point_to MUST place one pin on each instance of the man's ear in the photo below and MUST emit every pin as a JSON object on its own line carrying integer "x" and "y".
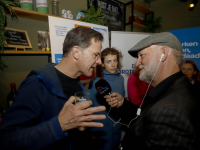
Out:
{"x": 164, "y": 52}
{"x": 102, "y": 65}
{"x": 75, "y": 52}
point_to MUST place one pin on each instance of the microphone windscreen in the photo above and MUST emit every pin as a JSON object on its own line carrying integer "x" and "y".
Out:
{"x": 103, "y": 87}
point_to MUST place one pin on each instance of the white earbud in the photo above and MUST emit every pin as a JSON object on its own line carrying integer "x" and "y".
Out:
{"x": 162, "y": 57}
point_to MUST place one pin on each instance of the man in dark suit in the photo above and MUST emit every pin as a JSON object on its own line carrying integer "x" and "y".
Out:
{"x": 167, "y": 119}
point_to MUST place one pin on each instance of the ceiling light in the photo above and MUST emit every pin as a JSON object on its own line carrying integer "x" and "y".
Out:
{"x": 193, "y": 4}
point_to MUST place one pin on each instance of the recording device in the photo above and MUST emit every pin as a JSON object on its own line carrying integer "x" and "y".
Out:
{"x": 103, "y": 87}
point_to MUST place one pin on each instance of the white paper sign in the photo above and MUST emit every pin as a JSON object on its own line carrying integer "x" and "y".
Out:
{"x": 58, "y": 29}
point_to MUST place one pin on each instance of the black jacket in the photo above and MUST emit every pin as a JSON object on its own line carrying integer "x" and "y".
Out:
{"x": 168, "y": 120}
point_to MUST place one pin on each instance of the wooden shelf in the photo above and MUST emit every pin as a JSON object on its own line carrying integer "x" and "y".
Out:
{"x": 26, "y": 52}
{"x": 140, "y": 8}
{"x": 137, "y": 25}
{"x": 32, "y": 14}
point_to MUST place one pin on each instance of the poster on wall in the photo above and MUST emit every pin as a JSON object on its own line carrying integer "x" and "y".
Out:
{"x": 59, "y": 27}
{"x": 190, "y": 39}
{"x": 123, "y": 41}
{"x": 114, "y": 13}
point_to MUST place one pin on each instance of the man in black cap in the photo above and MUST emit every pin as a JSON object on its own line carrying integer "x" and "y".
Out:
{"x": 168, "y": 117}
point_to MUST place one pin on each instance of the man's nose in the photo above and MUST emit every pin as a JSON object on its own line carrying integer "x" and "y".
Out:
{"x": 99, "y": 61}
{"x": 138, "y": 62}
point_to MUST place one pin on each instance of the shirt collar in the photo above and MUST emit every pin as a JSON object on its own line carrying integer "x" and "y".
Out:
{"x": 164, "y": 85}
{"x": 108, "y": 73}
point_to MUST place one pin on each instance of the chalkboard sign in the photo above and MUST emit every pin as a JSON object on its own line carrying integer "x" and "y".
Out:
{"x": 114, "y": 12}
{"x": 17, "y": 38}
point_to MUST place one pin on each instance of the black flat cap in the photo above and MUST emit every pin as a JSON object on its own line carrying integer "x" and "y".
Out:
{"x": 163, "y": 38}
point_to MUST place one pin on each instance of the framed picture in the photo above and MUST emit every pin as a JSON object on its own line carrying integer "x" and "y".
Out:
{"x": 114, "y": 12}
{"x": 41, "y": 40}
{"x": 17, "y": 38}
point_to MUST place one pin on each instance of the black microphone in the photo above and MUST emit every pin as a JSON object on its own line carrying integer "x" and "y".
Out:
{"x": 103, "y": 87}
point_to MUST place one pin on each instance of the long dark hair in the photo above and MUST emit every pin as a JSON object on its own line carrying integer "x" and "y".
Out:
{"x": 196, "y": 76}
{"x": 104, "y": 53}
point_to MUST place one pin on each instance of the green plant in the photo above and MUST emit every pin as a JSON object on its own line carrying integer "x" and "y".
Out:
{"x": 153, "y": 25}
{"x": 5, "y": 6}
{"x": 2, "y": 64}
{"x": 92, "y": 15}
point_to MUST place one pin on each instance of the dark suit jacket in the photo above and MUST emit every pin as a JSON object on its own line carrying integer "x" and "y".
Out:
{"x": 168, "y": 120}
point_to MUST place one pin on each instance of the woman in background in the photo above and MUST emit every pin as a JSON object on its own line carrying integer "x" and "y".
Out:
{"x": 108, "y": 137}
{"x": 189, "y": 68}
{"x": 137, "y": 88}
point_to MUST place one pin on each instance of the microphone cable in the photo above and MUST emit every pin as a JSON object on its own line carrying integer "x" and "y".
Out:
{"x": 111, "y": 118}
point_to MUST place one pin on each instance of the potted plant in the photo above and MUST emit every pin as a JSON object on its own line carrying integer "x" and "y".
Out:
{"x": 153, "y": 25}
{"x": 92, "y": 15}
{"x": 5, "y": 6}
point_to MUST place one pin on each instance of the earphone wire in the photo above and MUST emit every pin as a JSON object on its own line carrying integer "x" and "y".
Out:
{"x": 140, "y": 107}
{"x": 145, "y": 93}
{"x": 149, "y": 85}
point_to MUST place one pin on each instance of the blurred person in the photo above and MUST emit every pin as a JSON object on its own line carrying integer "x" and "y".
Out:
{"x": 168, "y": 119}
{"x": 137, "y": 88}
{"x": 190, "y": 69}
{"x": 43, "y": 114}
{"x": 2, "y": 112}
{"x": 108, "y": 137}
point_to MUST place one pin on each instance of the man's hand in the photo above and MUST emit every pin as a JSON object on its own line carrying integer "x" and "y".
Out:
{"x": 79, "y": 115}
{"x": 116, "y": 99}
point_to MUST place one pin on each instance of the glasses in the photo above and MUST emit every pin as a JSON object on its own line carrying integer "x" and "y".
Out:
{"x": 97, "y": 56}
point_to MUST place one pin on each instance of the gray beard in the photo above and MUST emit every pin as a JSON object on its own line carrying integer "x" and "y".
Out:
{"x": 148, "y": 72}
{"x": 145, "y": 77}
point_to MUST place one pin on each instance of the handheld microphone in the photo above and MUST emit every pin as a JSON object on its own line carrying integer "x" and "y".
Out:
{"x": 103, "y": 87}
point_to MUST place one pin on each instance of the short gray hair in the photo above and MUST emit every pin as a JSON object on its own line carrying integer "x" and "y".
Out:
{"x": 179, "y": 56}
